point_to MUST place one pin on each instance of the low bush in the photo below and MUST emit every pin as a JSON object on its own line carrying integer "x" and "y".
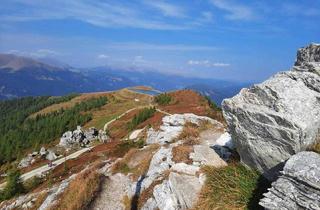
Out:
{"x": 212, "y": 104}
{"x": 163, "y": 99}
{"x": 32, "y": 183}
{"x": 231, "y": 187}
{"x": 13, "y": 187}
{"x": 142, "y": 116}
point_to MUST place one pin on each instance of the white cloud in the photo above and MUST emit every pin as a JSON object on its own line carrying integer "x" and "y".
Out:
{"x": 235, "y": 11}
{"x": 40, "y": 53}
{"x": 98, "y": 13}
{"x": 103, "y": 56}
{"x": 167, "y": 9}
{"x": 207, "y": 63}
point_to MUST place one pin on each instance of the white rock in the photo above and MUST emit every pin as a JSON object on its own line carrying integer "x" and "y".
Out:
{"x": 135, "y": 134}
{"x": 173, "y": 125}
{"x": 185, "y": 168}
{"x": 225, "y": 140}
{"x": 151, "y": 204}
{"x": 160, "y": 162}
{"x": 185, "y": 188}
{"x": 206, "y": 156}
{"x": 164, "y": 197}
{"x": 51, "y": 155}
{"x": 43, "y": 151}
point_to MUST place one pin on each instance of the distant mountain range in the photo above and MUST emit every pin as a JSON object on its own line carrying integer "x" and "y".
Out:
{"x": 22, "y": 76}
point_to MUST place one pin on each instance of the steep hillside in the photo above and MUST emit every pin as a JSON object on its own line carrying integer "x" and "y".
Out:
{"x": 128, "y": 117}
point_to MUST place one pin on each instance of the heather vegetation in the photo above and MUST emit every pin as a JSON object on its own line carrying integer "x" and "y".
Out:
{"x": 163, "y": 99}
{"x": 20, "y": 132}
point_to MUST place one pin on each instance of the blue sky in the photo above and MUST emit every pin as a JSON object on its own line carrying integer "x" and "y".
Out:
{"x": 225, "y": 39}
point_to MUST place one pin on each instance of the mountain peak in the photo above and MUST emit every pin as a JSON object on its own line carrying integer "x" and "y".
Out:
{"x": 16, "y": 63}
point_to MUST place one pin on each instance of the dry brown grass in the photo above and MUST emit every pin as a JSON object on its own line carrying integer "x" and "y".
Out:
{"x": 135, "y": 161}
{"x": 189, "y": 130}
{"x": 181, "y": 154}
{"x": 190, "y": 134}
{"x": 39, "y": 201}
{"x": 316, "y": 146}
{"x": 80, "y": 191}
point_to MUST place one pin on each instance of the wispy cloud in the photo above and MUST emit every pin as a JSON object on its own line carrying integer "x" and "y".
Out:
{"x": 235, "y": 10}
{"x": 207, "y": 63}
{"x": 103, "y": 56}
{"x": 98, "y": 13}
{"x": 40, "y": 53}
{"x": 167, "y": 9}
{"x": 158, "y": 47}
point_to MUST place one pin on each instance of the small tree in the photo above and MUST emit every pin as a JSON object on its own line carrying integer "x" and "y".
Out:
{"x": 14, "y": 185}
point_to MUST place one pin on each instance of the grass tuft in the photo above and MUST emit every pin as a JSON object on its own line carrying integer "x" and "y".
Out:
{"x": 80, "y": 191}
{"x": 190, "y": 134}
{"x": 231, "y": 187}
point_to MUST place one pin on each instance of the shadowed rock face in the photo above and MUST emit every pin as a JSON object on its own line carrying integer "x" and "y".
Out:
{"x": 298, "y": 187}
{"x": 272, "y": 121}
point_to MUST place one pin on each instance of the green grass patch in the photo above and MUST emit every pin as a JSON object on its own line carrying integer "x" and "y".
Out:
{"x": 232, "y": 187}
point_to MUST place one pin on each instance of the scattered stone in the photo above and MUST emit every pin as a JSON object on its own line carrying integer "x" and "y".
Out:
{"x": 103, "y": 137}
{"x": 278, "y": 118}
{"x": 299, "y": 185}
{"x": 135, "y": 134}
{"x": 43, "y": 151}
{"x": 51, "y": 155}
{"x": 25, "y": 162}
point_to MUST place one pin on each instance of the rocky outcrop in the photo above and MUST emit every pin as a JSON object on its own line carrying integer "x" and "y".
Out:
{"x": 274, "y": 120}
{"x": 82, "y": 138}
{"x": 308, "y": 59}
{"x": 33, "y": 157}
{"x": 172, "y": 126}
{"x": 299, "y": 185}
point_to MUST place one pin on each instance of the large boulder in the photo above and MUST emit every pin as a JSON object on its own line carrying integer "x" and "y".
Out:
{"x": 274, "y": 120}
{"x": 298, "y": 187}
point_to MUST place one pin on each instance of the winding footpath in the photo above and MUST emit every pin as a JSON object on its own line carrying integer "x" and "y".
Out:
{"x": 45, "y": 168}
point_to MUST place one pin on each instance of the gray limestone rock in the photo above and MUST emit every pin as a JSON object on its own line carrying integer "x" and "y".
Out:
{"x": 274, "y": 120}
{"x": 299, "y": 185}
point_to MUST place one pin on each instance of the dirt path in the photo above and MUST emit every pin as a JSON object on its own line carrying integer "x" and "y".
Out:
{"x": 45, "y": 168}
